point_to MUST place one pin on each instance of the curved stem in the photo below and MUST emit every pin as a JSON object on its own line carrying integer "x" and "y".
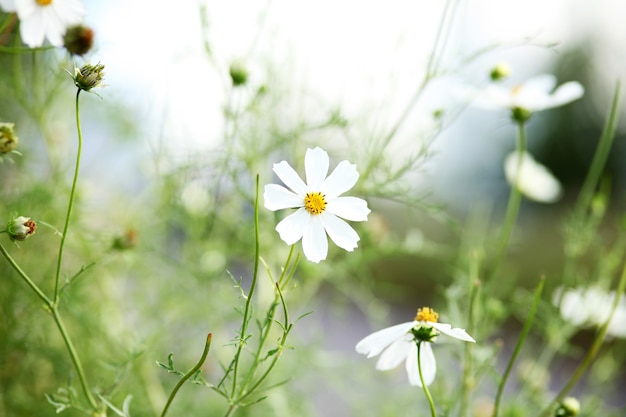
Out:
{"x": 513, "y": 205}
{"x": 74, "y": 356}
{"x": 518, "y": 346}
{"x": 433, "y": 413}
{"x": 205, "y": 352}
{"x": 71, "y": 199}
{"x": 246, "y": 313}
{"x": 26, "y": 278}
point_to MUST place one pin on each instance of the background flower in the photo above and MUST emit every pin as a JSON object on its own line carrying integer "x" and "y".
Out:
{"x": 535, "y": 181}
{"x": 47, "y": 19}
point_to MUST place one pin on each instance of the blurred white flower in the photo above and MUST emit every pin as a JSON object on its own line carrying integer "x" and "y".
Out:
{"x": 535, "y": 181}
{"x": 586, "y": 307}
{"x": 41, "y": 19}
{"x": 399, "y": 343}
{"x": 319, "y": 205}
{"x": 534, "y": 95}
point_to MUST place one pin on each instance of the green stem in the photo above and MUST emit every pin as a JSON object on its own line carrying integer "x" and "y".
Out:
{"x": 192, "y": 371}
{"x": 74, "y": 356}
{"x": 26, "y": 278}
{"x": 246, "y": 313}
{"x": 593, "y": 350}
{"x": 426, "y": 391}
{"x": 518, "y": 346}
{"x": 513, "y": 205}
{"x": 71, "y": 199}
{"x": 468, "y": 379}
{"x": 600, "y": 156}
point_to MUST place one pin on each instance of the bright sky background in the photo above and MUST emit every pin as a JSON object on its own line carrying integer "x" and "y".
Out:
{"x": 363, "y": 56}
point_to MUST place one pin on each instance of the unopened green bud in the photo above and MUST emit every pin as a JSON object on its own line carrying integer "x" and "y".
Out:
{"x": 8, "y": 139}
{"x": 78, "y": 39}
{"x": 89, "y": 76}
{"x": 238, "y": 73}
{"x": 520, "y": 114}
{"x": 500, "y": 72}
{"x": 570, "y": 407}
{"x": 20, "y": 228}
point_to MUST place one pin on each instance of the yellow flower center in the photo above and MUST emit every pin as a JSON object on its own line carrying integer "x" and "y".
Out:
{"x": 44, "y": 2}
{"x": 426, "y": 314}
{"x": 314, "y": 203}
{"x": 515, "y": 90}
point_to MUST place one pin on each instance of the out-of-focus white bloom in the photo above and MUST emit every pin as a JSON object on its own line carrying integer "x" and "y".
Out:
{"x": 586, "y": 307}
{"x": 399, "y": 343}
{"x": 41, "y": 19}
{"x": 319, "y": 204}
{"x": 535, "y": 181}
{"x": 536, "y": 94}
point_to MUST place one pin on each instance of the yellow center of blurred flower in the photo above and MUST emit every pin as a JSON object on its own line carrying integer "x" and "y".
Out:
{"x": 515, "y": 90}
{"x": 426, "y": 314}
{"x": 314, "y": 203}
{"x": 44, "y": 2}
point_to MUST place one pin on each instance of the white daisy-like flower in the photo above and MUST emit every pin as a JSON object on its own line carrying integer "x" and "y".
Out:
{"x": 535, "y": 180}
{"x": 399, "y": 343}
{"x": 536, "y": 94}
{"x": 41, "y": 19}
{"x": 586, "y": 307}
{"x": 320, "y": 206}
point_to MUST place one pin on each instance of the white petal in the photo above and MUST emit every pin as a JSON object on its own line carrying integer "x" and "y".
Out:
{"x": 427, "y": 360}
{"x": 316, "y": 167}
{"x": 32, "y": 30}
{"x": 456, "y": 332}
{"x": 535, "y": 181}
{"x": 376, "y": 342}
{"x": 566, "y": 93}
{"x": 314, "y": 240}
{"x": 343, "y": 177}
{"x": 350, "y": 208}
{"x": 290, "y": 178}
{"x": 292, "y": 228}
{"x": 277, "y": 197}
{"x": 543, "y": 83}
{"x": 395, "y": 353}
{"x": 341, "y": 233}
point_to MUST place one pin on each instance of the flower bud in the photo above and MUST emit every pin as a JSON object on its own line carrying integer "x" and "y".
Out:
{"x": 238, "y": 73}
{"x": 568, "y": 408}
{"x": 8, "y": 139}
{"x": 19, "y": 228}
{"x": 520, "y": 114}
{"x": 88, "y": 76}
{"x": 78, "y": 39}
{"x": 126, "y": 241}
{"x": 500, "y": 72}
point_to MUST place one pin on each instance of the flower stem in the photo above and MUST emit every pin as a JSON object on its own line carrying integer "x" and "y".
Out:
{"x": 518, "y": 346}
{"x": 433, "y": 413}
{"x": 246, "y": 313}
{"x": 600, "y": 156}
{"x": 71, "y": 200}
{"x": 26, "y": 278}
{"x": 192, "y": 371}
{"x": 513, "y": 205}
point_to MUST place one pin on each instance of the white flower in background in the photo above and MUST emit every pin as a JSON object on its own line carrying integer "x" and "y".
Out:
{"x": 535, "y": 181}
{"x": 41, "y": 19}
{"x": 586, "y": 307}
{"x": 399, "y": 343}
{"x": 319, "y": 204}
{"x": 536, "y": 94}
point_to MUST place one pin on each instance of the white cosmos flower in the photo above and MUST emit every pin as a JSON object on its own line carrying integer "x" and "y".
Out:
{"x": 319, "y": 204}
{"x": 586, "y": 307}
{"x": 41, "y": 19}
{"x": 399, "y": 343}
{"x": 535, "y": 181}
{"x": 536, "y": 94}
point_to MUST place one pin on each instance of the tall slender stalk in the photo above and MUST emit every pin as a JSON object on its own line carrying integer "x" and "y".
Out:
{"x": 513, "y": 205}
{"x": 429, "y": 397}
{"x": 518, "y": 346}
{"x": 71, "y": 200}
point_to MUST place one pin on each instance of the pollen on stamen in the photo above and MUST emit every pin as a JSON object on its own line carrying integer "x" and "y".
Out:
{"x": 315, "y": 203}
{"x": 426, "y": 314}
{"x": 44, "y": 2}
